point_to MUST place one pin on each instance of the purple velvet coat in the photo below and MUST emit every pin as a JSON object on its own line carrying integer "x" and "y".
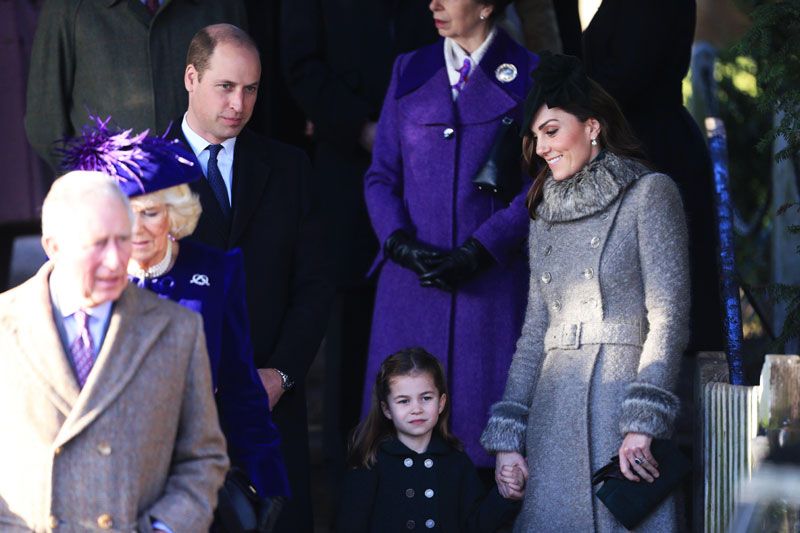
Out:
{"x": 420, "y": 181}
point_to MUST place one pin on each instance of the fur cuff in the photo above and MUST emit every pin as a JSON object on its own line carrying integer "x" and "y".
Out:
{"x": 505, "y": 431}
{"x": 648, "y": 409}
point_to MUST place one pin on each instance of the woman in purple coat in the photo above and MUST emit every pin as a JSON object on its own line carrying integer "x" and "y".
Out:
{"x": 453, "y": 277}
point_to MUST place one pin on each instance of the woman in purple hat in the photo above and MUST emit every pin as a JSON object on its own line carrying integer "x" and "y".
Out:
{"x": 446, "y": 198}
{"x": 154, "y": 173}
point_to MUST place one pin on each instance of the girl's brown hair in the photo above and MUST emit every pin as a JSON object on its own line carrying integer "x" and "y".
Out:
{"x": 376, "y": 428}
{"x": 615, "y": 136}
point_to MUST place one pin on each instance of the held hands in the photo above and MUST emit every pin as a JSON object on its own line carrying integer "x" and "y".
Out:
{"x": 511, "y": 473}
{"x": 635, "y": 458}
{"x": 460, "y": 265}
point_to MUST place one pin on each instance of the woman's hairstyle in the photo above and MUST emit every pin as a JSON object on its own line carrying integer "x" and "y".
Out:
{"x": 183, "y": 208}
{"x": 498, "y": 5}
{"x": 561, "y": 82}
{"x": 376, "y": 428}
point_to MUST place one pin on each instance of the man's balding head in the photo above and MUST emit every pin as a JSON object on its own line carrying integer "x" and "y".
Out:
{"x": 207, "y": 39}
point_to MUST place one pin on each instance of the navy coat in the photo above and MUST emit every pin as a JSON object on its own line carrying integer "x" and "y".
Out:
{"x": 420, "y": 182}
{"x": 438, "y": 490}
{"x": 211, "y": 282}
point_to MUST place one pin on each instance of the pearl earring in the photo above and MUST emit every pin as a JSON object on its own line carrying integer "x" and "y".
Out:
{"x": 594, "y": 142}
{"x": 483, "y": 17}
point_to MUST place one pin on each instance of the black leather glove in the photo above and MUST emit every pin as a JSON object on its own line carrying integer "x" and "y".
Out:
{"x": 412, "y": 254}
{"x": 460, "y": 265}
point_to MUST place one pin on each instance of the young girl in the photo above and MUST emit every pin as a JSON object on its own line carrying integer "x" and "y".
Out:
{"x": 408, "y": 472}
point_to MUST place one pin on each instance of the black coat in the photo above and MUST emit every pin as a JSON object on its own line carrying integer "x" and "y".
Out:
{"x": 639, "y": 51}
{"x": 438, "y": 490}
{"x": 337, "y": 57}
{"x": 278, "y": 226}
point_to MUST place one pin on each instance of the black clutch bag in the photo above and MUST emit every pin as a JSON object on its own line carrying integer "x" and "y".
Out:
{"x": 631, "y": 502}
{"x": 241, "y": 510}
{"x": 502, "y": 173}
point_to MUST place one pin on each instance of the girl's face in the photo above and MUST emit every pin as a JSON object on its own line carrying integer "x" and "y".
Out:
{"x": 414, "y": 405}
{"x": 563, "y": 141}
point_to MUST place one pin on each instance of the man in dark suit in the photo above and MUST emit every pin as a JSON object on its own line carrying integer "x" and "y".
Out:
{"x": 259, "y": 196}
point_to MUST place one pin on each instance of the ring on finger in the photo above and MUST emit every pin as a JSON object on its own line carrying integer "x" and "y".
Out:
{"x": 639, "y": 460}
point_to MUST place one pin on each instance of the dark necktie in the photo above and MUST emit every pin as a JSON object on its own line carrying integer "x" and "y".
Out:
{"x": 217, "y": 183}
{"x": 82, "y": 348}
{"x": 152, "y": 6}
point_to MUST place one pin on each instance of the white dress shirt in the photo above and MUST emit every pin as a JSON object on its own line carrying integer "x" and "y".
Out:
{"x": 454, "y": 57}
{"x": 224, "y": 159}
{"x": 97, "y": 316}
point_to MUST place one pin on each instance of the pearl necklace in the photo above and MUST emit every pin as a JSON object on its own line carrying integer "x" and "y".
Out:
{"x": 154, "y": 271}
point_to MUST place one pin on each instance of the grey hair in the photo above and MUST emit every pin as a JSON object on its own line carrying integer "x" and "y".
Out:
{"x": 69, "y": 192}
{"x": 183, "y": 208}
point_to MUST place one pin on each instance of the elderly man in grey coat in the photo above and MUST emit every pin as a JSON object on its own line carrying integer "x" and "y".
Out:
{"x": 105, "y": 389}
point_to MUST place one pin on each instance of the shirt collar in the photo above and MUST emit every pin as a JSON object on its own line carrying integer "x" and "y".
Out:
{"x": 67, "y": 305}
{"x": 198, "y": 144}
{"x": 454, "y": 55}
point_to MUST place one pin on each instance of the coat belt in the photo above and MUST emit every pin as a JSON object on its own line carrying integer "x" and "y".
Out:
{"x": 571, "y": 336}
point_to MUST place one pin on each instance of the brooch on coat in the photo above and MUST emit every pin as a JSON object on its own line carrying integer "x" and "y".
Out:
{"x": 200, "y": 279}
{"x": 506, "y": 73}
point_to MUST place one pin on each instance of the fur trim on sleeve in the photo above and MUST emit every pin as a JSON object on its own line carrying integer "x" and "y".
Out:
{"x": 505, "y": 431}
{"x": 648, "y": 409}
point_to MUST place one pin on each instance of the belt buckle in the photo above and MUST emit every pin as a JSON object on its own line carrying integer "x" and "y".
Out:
{"x": 571, "y": 336}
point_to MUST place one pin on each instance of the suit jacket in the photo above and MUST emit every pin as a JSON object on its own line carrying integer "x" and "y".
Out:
{"x": 139, "y": 442}
{"x": 111, "y": 57}
{"x": 338, "y": 58}
{"x": 280, "y": 230}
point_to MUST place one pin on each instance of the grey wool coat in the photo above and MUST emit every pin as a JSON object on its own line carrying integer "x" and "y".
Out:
{"x": 139, "y": 442}
{"x": 599, "y": 352}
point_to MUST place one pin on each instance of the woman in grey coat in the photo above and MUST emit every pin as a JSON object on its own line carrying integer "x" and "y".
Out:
{"x": 606, "y": 321}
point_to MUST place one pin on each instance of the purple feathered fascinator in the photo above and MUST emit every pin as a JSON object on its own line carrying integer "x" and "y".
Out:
{"x": 559, "y": 80}
{"x": 141, "y": 163}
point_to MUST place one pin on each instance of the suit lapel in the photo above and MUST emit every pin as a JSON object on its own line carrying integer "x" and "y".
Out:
{"x": 39, "y": 340}
{"x": 250, "y": 176}
{"x": 134, "y": 328}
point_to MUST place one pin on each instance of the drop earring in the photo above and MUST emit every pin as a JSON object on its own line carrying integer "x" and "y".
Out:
{"x": 594, "y": 142}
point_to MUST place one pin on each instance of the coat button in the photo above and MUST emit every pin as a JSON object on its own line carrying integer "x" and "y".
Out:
{"x": 409, "y": 462}
{"x": 588, "y": 273}
{"x": 428, "y": 463}
{"x": 595, "y": 242}
{"x": 53, "y": 521}
{"x": 410, "y": 524}
{"x": 104, "y": 521}
{"x": 429, "y": 523}
{"x": 548, "y": 250}
{"x": 409, "y": 493}
{"x": 448, "y": 133}
{"x": 604, "y": 216}
{"x": 429, "y": 493}
{"x": 104, "y": 448}
{"x": 58, "y": 450}
{"x": 546, "y": 277}
{"x": 557, "y": 305}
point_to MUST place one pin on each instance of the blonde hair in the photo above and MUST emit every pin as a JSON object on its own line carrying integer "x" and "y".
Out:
{"x": 183, "y": 208}
{"x": 72, "y": 190}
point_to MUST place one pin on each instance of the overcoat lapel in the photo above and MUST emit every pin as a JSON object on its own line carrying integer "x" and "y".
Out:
{"x": 43, "y": 351}
{"x": 423, "y": 90}
{"x": 135, "y": 325}
{"x": 250, "y": 176}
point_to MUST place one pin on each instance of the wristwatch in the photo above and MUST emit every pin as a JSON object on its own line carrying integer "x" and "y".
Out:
{"x": 286, "y": 382}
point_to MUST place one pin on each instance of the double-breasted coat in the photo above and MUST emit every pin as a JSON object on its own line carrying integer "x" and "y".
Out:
{"x": 427, "y": 150}
{"x": 437, "y": 490}
{"x": 606, "y": 323}
{"x": 140, "y": 442}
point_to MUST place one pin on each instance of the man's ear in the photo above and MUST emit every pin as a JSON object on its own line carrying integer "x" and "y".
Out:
{"x": 386, "y": 412}
{"x": 190, "y": 77}
{"x": 50, "y": 246}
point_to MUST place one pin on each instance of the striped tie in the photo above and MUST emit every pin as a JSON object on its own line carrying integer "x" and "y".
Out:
{"x": 82, "y": 348}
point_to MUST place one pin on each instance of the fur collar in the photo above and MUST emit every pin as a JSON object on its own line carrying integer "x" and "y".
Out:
{"x": 590, "y": 190}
